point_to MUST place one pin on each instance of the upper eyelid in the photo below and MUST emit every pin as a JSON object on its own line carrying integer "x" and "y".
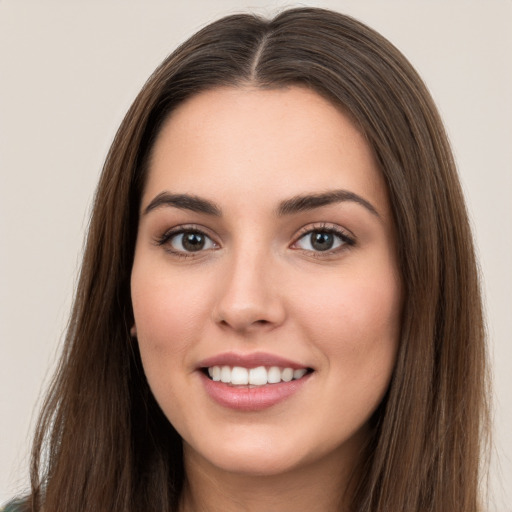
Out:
{"x": 324, "y": 226}
{"x": 183, "y": 228}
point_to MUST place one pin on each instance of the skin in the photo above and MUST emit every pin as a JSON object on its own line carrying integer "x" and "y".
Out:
{"x": 260, "y": 286}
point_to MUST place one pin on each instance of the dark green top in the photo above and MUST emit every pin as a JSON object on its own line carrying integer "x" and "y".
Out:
{"x": 14, "y": 506}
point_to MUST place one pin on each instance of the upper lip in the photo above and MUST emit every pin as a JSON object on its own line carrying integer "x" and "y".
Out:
{"x": 252, "y": 360}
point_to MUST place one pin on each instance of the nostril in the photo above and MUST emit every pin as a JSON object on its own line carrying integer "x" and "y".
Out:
{"x": 243, "y": 322}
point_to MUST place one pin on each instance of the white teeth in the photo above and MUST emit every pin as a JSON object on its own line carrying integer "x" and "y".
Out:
{"x": 274, "y": 375}
{"x": 287, "y": 374}
{"x": 239, "y": 376}
{"x": 258, "y": 376}
{"x": 298, "y": 374}
{"x": 225, "y": 374}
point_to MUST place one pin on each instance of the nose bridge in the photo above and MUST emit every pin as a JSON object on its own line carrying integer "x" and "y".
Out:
{"x": 248, "y": 294}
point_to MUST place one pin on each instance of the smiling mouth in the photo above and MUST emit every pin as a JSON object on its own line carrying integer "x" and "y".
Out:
{"x": 259, "y": 376}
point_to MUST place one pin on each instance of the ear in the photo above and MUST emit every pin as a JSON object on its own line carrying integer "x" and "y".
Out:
{"x": 133, "y": 331}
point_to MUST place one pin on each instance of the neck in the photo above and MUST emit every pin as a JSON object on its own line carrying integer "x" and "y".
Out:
{"x": 320, "y": 486}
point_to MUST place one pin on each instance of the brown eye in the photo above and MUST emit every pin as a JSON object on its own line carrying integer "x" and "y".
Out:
{"x": 190, "y": 241}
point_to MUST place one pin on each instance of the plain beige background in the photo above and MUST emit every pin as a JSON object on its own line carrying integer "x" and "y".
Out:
{"x": 69, "y": 69}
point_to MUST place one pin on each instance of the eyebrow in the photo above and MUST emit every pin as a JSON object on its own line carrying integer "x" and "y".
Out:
{"x": 184, "y": 202}
{"x": 307, "y": 202}
{"x": 296, "y": 204}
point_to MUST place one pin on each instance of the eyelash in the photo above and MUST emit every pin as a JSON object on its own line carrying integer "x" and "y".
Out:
{"x": 166, "y": 238}
{"x": 346, "y": 240}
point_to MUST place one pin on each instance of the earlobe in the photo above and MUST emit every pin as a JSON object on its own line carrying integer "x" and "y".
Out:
{"x": 133, "y": 331}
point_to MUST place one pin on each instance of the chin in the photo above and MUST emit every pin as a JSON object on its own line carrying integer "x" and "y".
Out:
{"x": 261, "y": 457}
{"x": 259, "y": 465}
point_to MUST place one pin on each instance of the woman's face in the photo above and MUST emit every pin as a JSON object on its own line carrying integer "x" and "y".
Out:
{"x": 265, "y": 252}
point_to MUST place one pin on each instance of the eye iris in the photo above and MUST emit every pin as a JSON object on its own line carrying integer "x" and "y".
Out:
{"x": 322, "y": 241}
{"x": 193, "y": 241}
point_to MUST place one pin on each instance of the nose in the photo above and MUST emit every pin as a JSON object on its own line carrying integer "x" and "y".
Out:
{"x": 250, "y": 298}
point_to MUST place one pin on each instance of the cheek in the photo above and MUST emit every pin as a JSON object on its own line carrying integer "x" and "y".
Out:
{"x": 168, "y": 315}
{"x": 357, "y": 320}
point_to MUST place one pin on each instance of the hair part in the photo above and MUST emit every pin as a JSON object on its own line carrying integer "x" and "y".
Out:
{"x": 102, "y": 442}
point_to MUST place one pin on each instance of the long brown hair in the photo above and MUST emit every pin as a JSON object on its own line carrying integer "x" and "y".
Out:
{"x": 102, "y": 443}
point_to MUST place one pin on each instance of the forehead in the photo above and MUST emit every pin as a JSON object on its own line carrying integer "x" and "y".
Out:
{"x": 248, "y": 142}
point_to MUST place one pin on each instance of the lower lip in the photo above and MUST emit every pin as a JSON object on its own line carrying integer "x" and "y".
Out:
{"x": 242, "y": 398}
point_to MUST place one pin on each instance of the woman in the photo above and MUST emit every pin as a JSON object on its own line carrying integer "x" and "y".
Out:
{"x": 278, "y": 305}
